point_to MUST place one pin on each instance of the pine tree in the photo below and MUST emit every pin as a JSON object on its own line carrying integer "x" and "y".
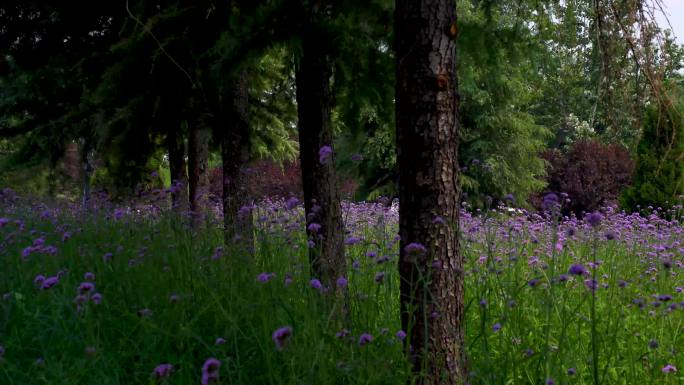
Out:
{"x": 431, "y": 264}
{"x": 659, "y": 172}
{"x": 316, "y": 149}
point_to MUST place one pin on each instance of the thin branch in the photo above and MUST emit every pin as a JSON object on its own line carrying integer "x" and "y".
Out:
{"x": 161, "y": 47}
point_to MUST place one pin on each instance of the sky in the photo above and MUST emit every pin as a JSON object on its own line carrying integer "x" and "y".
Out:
{"x": 675, "y": 13}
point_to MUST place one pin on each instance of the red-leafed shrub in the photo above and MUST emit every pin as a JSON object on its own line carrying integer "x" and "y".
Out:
{"x": 265, "y": 179}
{"x": 590, "y": 172}
{"x": 269, "y": 179}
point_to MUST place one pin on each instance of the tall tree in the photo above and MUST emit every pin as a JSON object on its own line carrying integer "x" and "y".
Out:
{"x": 430, "y": 265}
{"x": 314, "y": 104}
{"x": 198, "y": 162}
{"x": 235, "y": 150}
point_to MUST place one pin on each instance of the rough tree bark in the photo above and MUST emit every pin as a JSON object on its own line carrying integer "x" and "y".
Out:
{"x": 235, "y": 148}
{"x": 198, "y": 164}
{"x": 321, "y": 195}
{"x": 427, "y": 127}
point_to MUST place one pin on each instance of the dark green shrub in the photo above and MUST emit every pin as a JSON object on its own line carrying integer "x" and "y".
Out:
{"x": 659, "y": 172}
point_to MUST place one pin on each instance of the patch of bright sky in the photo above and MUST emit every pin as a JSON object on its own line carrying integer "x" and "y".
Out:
{"x": 675, "y": 14}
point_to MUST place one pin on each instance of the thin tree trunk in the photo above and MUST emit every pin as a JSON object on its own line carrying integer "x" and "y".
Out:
{"x": 198, "y": 158}
{"x": 321, "y": 195}
{"x": 235, "y": 148}
{"x": 427, "y": 128}
{"x": 86, "y": 169}
{"x": 179, "y": 174}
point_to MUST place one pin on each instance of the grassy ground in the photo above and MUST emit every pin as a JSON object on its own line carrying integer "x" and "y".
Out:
{"x": 167, "y": 294}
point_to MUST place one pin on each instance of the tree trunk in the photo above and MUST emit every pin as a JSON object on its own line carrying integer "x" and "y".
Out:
{"x": 179, "y": 174}
{"x": 321, "y": 195}
{"x": 86, "y": 169}
{"x": 432, "y": 306}
{"x": 237, "y": 216}
{"x": 198, "y": 159}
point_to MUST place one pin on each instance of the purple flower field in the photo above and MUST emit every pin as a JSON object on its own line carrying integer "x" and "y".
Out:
{"x": 140, "y": 296}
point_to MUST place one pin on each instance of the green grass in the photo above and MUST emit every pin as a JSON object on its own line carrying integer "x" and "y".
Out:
{"x": 546, "y": 328}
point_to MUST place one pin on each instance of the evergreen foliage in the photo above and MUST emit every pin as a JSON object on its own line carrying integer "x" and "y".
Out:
{"x": 659, "y": 175}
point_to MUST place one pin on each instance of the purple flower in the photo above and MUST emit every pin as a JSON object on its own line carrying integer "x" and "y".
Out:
{"x": 49, "y": 282}
{"x": 27, "y": 252}
{"x": 382, "y": 259}
{"x": 324, "y": 154}
{"x": 89, "y": 276}
{"x": 438, "y": 220}
{"x": 577, "y": 269}
{"x": 534, "y": 282}
{"x": 118, "y": 213}
{"x": 365, "y": 339}
{"x": 550, "y": 202}
{"x": 415, "y": 249}
{"x": 591, "y": 284}
{"x": 38, "y": 281}
{"x": 550, "y": 381}
{"x": 281, "y": 335}
{"x": 401, "y": 335}
{"x": 316, "y": 284}
{"x": 96, "y": 298}
{"x": 653, "y": 344}
{"x": 664, "y": 298}
{"x": 245, "y": 210}
{"x": 669, "y": 369}
{"x": 144, "y": 313}
{"x": 2, "y": 351}
{"x": 594, "y": 219}
{"x": 174, "y": 298}
{"x": 352, "y": 241}
{"x": 314, "y": 227}
{"x": 291, "y": 203}
{"x": 380, "y": 277}
{"x": 342, "y": 333}
{"x": 496, "y": 327}
{"x": 219, "y": 341}
{"x": 85, "y": 287}
{"x": 572, "y": 371}
{"x": 107, "y": 257}
{"x": 342, "y": 282}
{"x": 265, "y": 277}
{"x": 356, "y": 265}
{"x": 210, "y": 371}
{"x": 80, "y": 300}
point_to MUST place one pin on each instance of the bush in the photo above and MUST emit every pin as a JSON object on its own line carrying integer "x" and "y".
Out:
{"x": 659, "y": 174}
{"x": 590, "y": 172}
{"x": 267, "y": 178}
